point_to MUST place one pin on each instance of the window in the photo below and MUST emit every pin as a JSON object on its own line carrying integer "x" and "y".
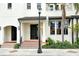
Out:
{"x": 9, "y": 5}
{"x": 65, "y": 30}
{"x": 56, "y": 7}
{"x": 49, "y": 6}
{"x": 52, "y": 28}
{"x": 59, "y": 27}
{"x": 66, "y": 27}
{"x": 28, "y": 5}
{"x": 68, "y": 6}
{"x": 38, "y": 5}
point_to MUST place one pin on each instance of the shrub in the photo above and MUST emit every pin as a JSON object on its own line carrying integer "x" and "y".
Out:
{"x": 46, "y": 46}
{"x": 61, "y": 45}
{"x": 50, "y": 41}
{"x": 58, "y": 44}
{"x": 66, "y": 44}
{"x": 77, "y": 41}
{"x": 16, "y": 46}
{"x": 75, "y": 45}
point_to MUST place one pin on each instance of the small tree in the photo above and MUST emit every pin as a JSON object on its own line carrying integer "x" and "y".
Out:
{"x": 75, "y": 28}
{"x": 76, "y": 6}
{"x": 63, "y": 20}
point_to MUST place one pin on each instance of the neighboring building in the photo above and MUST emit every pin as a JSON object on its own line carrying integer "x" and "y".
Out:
{"x": 27, "y": 13}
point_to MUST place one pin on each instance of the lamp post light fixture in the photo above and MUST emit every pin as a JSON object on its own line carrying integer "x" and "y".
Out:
{"x": 39, "y": 36}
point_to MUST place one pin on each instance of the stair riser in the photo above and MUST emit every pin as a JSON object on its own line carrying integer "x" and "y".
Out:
{"x": 8, "y": 45}
{"x": 29, "y": 44}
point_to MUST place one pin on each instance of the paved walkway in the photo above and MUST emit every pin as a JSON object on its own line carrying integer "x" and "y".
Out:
{"x": 33, "y": 52}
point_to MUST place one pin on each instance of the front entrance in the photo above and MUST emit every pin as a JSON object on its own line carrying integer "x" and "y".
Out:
{"x": 13, "y": 33}
{"x": 33, "y": 31}
{"x": 10, "y": 34}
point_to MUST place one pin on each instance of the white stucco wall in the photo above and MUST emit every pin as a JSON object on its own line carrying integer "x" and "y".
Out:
{"x": 26, "y": 29}
{"x": 7, "y": 34}
{"x": 10, "y": 18}
{"x": 56, "y": 36}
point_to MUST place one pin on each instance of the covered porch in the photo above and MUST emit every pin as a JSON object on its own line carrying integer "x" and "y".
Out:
{"x": 29, "y": 30}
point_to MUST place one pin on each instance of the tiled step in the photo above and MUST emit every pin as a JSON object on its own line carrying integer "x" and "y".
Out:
{"x": 8, "y": 45}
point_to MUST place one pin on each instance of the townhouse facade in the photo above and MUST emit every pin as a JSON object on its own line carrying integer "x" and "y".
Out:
{"x": 27, "y": 14}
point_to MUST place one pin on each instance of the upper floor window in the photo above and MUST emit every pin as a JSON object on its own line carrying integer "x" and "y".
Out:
{"x": 28, "y": 5}
{"x": 52, "y": 6}
{"x": 38, "y": 5}
{"x": 49, "y": 6}
{"x": 9, "y": 5}
{"x": 56, "y": 6}
{"x": 68, "y": 6}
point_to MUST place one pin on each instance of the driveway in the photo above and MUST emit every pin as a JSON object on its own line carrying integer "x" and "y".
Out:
{"x": 33, "y": 52}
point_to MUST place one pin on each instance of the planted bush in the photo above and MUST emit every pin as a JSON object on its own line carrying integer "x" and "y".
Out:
{"x": 61, "y": 45}
{"x": 16, "y": 46}
{"x": 58, "y": 44}
{"x": 66, "y": 44}
{"x": 46, "y": 46}
{"x": 50, "y": 41}
{"x": 77, "y": 41}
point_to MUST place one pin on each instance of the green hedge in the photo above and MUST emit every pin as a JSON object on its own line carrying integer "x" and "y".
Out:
{"x": 60, "y": 45}
{"x": 16, "y": 46}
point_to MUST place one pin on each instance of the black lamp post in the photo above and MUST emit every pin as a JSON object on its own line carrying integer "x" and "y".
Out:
{"x": 39, "y": 36}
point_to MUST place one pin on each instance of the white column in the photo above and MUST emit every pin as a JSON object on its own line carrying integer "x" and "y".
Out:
{"x": 47, "y": 27}
{"x": 44, "y": 36}
{"x": 18, "y": 35}
{"x": 2, "y": 36}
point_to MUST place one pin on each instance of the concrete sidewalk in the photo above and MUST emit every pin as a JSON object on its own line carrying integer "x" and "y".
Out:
{"x": 33, "y": 52}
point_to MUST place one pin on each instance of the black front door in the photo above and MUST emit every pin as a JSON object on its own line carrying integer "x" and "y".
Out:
{"x": 13, "y": 33}
{"x": 33, "y": 31}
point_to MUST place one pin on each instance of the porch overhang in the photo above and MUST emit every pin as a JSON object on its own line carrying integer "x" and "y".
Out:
{"x": 75, "y": 17}
{"x": 67, "y": 17}
{"x": 32, "y": 18}
{"x": 58, "y": 17}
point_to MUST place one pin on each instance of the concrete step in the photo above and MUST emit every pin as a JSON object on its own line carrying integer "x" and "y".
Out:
{"x": 30, "y": 44}
{"x": 8, "y": 45}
